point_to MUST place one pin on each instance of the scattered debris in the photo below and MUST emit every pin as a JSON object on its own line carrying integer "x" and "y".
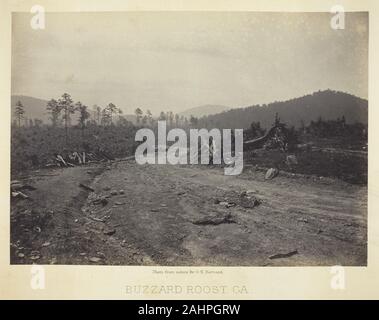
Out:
{"x": 100, "y": 254}
{"x": 94, "y": 259}
{"x": 305, "y": 220}
{"x": 304, "y": 146}
{"x": 109, "y": 231}
{"x": 35, "y": 255}
{"x": 60, "y": 161}
{"x": 271, "y": 173}
{"x": 46, "y": 244}
{"x": 96, "y": 219}
{"x": 215, "y": 220}
{"x": 86, "y": 187}
{"x": 127, "y": 158}
{"x": 245, "y": 199}
{"x": 100, "y": 200}
{"x": 230, "y": 205}
{"x": 17, "y": 185}
{"x": 291, "y": 160}
{"x": 249, "y": 202}
{"x": 283, "y": 255}
{"x": 16, "y": 194}
{"x": 78, "y": 158}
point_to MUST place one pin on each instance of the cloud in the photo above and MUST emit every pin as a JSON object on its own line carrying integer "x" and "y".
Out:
{"x": 184, "y": 59}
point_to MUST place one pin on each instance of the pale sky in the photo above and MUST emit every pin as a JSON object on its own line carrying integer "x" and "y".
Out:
{"x": 179, "y": 60}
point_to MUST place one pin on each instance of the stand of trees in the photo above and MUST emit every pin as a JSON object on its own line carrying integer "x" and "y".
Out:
{"x": 61, "y": 111}
{"x": 19, "y": 112}
{"x": 334, "y": 128}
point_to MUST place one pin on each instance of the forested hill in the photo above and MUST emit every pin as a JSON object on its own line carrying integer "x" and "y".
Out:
{"x": 204, "y": 110}
{"x": 34, "y": 108}
{"x": 326, "y": 104}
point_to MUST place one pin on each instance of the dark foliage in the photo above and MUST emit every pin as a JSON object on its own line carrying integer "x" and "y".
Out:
{"x": 295, "y": 112}
{"x": 34, "y": 147}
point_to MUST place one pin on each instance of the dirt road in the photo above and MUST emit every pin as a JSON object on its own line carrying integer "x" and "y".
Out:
{"x": 188, "y": 215}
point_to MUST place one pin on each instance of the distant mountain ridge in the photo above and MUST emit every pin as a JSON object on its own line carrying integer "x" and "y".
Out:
{"x": 327, "y": 104}
{"x": 34, "y": 108}
{"x": 204, "y": 110}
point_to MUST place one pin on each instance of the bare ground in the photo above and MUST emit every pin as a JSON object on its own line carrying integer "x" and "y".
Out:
{"x": 187, "y": 215}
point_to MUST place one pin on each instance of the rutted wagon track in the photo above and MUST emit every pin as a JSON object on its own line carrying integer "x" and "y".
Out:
{"x": 187, "y": 215}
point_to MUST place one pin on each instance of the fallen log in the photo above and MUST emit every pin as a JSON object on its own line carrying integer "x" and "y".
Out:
{"x": 283, "y": 255}
{"x": 86, "y": 187}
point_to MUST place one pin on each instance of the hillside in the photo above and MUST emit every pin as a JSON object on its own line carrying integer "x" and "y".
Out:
{"x": 34, "y": 107}
{"x": 204, "y": 110}
{"x": 326, "y": 104}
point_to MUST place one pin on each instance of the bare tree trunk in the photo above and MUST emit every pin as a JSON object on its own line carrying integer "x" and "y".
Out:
{"x": 65, "y": 125}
